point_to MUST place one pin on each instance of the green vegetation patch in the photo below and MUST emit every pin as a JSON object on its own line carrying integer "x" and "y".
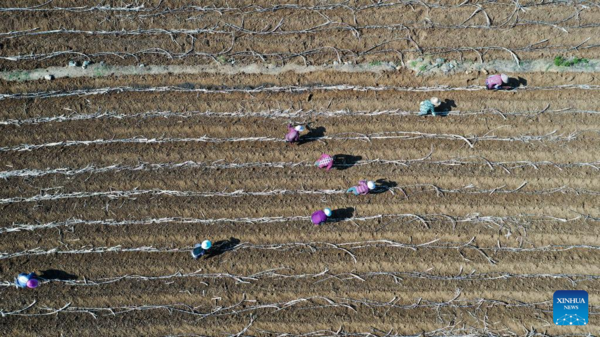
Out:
{"x": 560, "y": 61}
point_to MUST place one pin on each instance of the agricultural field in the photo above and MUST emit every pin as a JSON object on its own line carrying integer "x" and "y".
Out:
{"x": 168, "y": 129}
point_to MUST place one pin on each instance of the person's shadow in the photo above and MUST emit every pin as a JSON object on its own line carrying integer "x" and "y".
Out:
{"x": 221, "y": 247}
{"x": 341, "y": 214}
{"x": 383, "y": 185}
{"x": 445, "y": 107}
{"x": 345, "y": 161}
{"x": 516, "y": 82}
{"x": 312, "y": 135}
{"x": 54, "y": 274}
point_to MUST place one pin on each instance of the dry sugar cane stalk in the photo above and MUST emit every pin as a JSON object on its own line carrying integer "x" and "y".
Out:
{"x": 502, "y": 222}
{"x": 312, "y": 302}
{"x": 271, "y": 114}
{"x": 329, "y": 25}
{"x": 269, "y": 89}
{"x": 256, "y": 90}
{"x": 419, "y": 188}
{"x": 348, "y": 136}
{"x": 284, "y": 57}
{"x": 143, "y": 166}
{"x": 324, "y": 276}
{"x": 348, "y": 248}
{"x": 142, "y": 11}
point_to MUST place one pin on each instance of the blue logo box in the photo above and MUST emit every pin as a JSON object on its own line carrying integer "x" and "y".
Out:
{"x": 570, "y": 307}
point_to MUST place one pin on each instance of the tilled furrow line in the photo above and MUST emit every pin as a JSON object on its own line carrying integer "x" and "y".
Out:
{"x": 305, "y": 19}
{"x": 370, "y": 261}
{"x": 219, "y": 130}
{"x": 20, "y": 185}
{"x": 154, "y": 204}
{"x": 214, "y": 97}
{"x": 254, "y": 154}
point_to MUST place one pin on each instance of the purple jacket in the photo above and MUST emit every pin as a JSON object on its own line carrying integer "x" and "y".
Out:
{"x": 292, "y": 135}
{"x": 494, "y": 81}
{"x": 318, "y": 217}
{"x": 362, "y": 187}
{"x": 325, "y": 161}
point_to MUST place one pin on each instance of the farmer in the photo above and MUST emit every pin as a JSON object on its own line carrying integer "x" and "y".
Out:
{"x": 362, "y": 188}
{"x": 293, "y": 134}
{"x": 201, "y": 249}
{"x": 428, "y": 106}
{"x": 495, "y": 82}
{"x": 25, "y": 280}
{"x": 320, "y": 217}
{"x": 325, "y": 161}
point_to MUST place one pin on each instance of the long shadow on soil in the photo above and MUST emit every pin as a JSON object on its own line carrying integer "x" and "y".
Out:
{"x": 345, "y": 161}
{"x": 383, "y": 185}
{"x": 222, "y": 246}
{"x": 312, "y": 135}
{"x": 445, "y": 107}
{"x": 517, "y": 82}
{"x": 341, "y": 214}
{"x": 55, "y": 274}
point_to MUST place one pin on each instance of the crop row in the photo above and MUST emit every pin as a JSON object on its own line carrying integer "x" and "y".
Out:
{"x": 339, "y": 54}
{"x": 275, "y": 114}
{"x": 271, "y": 89}
{"x": 349, "y": 248}
{"x": 506, "y": 166}
{"x": 501, "y": 223}
{"x": 325, "y": 276}
{"x": 405, "y": 191}
{"x": 163, "y": 10}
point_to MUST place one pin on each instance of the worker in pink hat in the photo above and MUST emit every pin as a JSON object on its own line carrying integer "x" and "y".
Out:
{"x": 25, "y": 280}
{"x": 362, "y": 188}
{"x": 320, "y": 216}
{"x": 497, "y": 82}
{"x": 325, "y": 161}
{"x": 293, "y": 135}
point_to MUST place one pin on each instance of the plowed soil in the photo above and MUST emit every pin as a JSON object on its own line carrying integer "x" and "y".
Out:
{"x": 478, "y": 218}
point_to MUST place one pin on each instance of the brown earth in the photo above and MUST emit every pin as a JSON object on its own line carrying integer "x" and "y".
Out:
{"x": 307, "y": 32}
{"x": 118, "y": 261}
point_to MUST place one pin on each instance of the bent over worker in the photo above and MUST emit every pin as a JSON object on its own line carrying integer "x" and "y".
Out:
{"x": 320, "y": 216}
{"x": 496, "y": 82}
{"x": 293, "y": 135}
{"x": 25, "y": 280}
{"x": 428, "y": 106}
{"x": 362, "y": 188}
{"x": 325, "y": 161}
{"x": 201, "y": 248}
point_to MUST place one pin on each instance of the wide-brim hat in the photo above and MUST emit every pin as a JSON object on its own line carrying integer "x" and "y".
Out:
{"x": 327, "y": 212}
{"x": 504, "y": 78}
{"x": 371, "y": 185}
{"x": 435, "y": 101}
{"x": 206, "y": 244}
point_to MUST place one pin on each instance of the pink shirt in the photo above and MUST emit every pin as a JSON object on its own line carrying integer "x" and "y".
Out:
{"x": 494, "y": 81}
{"x": 292, "y": 135}
{"x": 362, "y": 187}
{"x": 326, "y": 161}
